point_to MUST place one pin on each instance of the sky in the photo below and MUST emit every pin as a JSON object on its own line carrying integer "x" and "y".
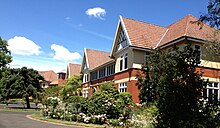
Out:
{"x": 49, "y": 34}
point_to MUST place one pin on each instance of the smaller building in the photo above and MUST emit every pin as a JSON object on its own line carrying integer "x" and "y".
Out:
{"x": 51, "y": 78}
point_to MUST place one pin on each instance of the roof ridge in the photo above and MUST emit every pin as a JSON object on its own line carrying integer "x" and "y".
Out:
{"x": 187, "y": 16}
{"x": 97, "y": 50}
{"x": 162, "y": 37}
{"x": 187, "y": 23}
{"x": 144, "y": 22}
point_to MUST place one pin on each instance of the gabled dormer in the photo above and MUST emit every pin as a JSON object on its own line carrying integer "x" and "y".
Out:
{"x": 121, "y": 40}
{"x": 85, "y": 67}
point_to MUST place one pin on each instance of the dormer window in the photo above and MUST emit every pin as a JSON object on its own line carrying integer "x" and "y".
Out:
{"x": 122, "y": 41}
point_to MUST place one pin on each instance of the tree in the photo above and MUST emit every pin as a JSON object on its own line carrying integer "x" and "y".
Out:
{"x": 72, "y": 87}
{"x": 21, "y": 83}
{"x": 5, "y": 55}
{"x": 213, "y": 15}
{"x": 172, "y": 81}
{"x": 213, "y": 18}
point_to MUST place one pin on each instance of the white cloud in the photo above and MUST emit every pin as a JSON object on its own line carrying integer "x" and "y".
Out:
{"x": 23, "y": 46}
{"x": 61, "y": 53}
{"x": 96, "y": 12}
{"x": 67, "y": 18}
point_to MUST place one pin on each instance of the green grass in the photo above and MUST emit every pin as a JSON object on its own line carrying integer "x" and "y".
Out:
{"x": 40, "y": 117}
{"x": 19, "y": 110}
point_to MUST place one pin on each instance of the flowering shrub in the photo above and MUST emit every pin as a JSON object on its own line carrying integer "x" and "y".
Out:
{"x": 105, "y": 106}
{"x": 55, "y": 109}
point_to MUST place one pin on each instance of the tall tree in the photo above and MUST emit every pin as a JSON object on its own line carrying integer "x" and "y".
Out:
{"x": 5, "y": 55}
{"x": 213, "y": 15}
{"x": 213, "y": 18}
{"x": 172, "y": 81}
{"x": 21, "y": 83}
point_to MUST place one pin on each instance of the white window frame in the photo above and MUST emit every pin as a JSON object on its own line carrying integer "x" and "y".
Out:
{"x": 85, "y": 92}
{"x": 122, "y": 41}
{"x": 85, "y": 78}
{"x": 122, "y": 87}
{"x": 122, "y": 59}
{"x": 212, "y": 88}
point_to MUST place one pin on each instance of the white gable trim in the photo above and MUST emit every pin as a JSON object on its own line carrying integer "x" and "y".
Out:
{"x": 84, "y": 61}
{"x": 125, "y": 30}
{"x": 87, "y": 62}
{"x": 113, "y": 45}
{"x": 161, "y": 38}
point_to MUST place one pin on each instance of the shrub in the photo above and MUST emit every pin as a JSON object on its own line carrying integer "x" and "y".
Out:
{"x": 104, "y": 101}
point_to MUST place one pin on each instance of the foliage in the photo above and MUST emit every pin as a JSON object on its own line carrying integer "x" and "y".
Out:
{"x": 104, "y": 104}
{"x": 213, "y": 18}
{"x": 172, "y": 80}
{"x": 144, "y": 117}
{"x": 104, "y": 101}
{"x": 20, "y": 83}
{"x": 53, "y": 91}
{"x": 72, "y": 87}
{"x": 76, "y": 104}
{"x": 56, "y": 109}
{"x": 5, "y": 54}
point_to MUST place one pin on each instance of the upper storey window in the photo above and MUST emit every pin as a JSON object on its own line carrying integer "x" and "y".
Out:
{"x": 198, "y": 51}
{"x": 122, "y": 41}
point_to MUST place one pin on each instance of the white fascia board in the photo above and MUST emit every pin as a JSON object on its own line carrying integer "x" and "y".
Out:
{"x": 87, "y": 62}
{"x": 116, "y": 33}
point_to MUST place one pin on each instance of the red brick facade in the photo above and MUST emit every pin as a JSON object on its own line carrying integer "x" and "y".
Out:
{"x": 209, "y": 72}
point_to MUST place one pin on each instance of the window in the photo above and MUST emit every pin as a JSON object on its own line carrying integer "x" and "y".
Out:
{"x": 94, "y": 75}
{"x": 122, "y": 41}
{"x": 85, "y": 79}
{"x": 86, "y": 92}
{"x": 198, "y": 53}
{"x": 122, "y": 87}
{"x": 110, "y": 69}
{"x": 102, "y": 73}
{"x": 124, "y": 61}
{"x": 211, "y": 92}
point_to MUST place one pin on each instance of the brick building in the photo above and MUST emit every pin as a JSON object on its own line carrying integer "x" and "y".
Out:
{"x": 132, "y": 42}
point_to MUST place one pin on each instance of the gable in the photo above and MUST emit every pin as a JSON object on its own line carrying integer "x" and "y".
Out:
{"x": 84, "y": 61}
{"x": 121, "y": 39}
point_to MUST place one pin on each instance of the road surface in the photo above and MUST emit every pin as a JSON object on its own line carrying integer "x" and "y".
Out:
{"x": 19, "y": 120}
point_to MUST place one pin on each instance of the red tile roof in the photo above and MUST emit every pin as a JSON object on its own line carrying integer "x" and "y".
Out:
{"x": 188, "y": 26}
{"x": 96, "y": 58}
{"x": 143, "y": 34}
{"x": 148, "y": 35}
{"x": 74, "y": 69}
{"x": 49, "y": 75}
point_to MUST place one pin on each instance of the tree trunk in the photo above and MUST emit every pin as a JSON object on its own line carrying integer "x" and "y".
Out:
{"x": 28, "y": 102}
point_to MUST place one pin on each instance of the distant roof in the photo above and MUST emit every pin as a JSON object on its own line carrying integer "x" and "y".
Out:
{"x": 146, "y": 35}
{"x": 97, "y": 58}
{"x": 48, "y": 75}
{"x": 74, "y": 69}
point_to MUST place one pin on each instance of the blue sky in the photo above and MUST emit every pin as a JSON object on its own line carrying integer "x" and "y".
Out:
{"x": 48, "y": 34}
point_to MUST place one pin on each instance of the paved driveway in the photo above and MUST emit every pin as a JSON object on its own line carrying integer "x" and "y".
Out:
{"x": 19, "y": 120}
